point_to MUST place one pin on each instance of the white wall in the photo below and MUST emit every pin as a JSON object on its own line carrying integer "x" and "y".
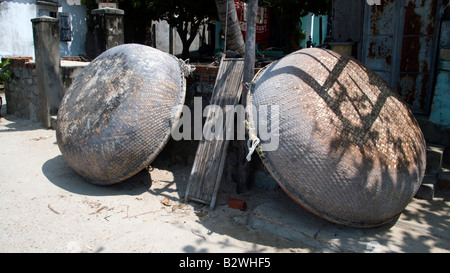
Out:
{"x": 162, "y": 38}
{"x": 16, "y": 31}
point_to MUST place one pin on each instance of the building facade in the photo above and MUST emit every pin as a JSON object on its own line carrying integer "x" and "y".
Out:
{"x": 16, "y": 28}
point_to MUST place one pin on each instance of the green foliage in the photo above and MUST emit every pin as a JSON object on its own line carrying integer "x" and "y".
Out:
{"x": 5, "y": 71}
{"x": 302, "y": 35}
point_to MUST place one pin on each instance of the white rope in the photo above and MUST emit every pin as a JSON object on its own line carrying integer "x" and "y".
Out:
{"x": 254, "y": 143}
{"x": 187, "y": 68}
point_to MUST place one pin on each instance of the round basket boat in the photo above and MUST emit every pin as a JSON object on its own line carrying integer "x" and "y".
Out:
{"x": 349, "y": 150}
{"x": 118, "y": 114}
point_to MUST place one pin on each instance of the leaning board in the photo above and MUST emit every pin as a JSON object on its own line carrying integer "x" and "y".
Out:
{"x": 207, "y": 169}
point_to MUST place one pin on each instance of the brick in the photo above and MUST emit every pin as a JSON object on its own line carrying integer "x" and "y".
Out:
{"x": 18, "y": 61}
{"x": 206, "y": 69}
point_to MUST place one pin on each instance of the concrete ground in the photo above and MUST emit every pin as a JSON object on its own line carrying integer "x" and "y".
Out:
{"x": 46, "y": 207}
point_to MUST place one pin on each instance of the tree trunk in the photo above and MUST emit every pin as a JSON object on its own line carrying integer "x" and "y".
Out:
{"x": 249, "y": 71}
{"x": 183, "y": 31}
{"x": 185, "y": 52}
{"x": 230, "y": 23}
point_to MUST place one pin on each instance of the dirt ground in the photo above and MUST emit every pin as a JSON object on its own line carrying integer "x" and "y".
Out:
{"x": 47, "y": 207}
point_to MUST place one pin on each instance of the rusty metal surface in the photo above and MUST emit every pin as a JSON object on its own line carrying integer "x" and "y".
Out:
{"x": 399, "y": 44}
{"x": 117, "y": 115}
{"x": 349, "y": 149}
{"x": 380, "y": 39}
{"x": 417, "y": 57}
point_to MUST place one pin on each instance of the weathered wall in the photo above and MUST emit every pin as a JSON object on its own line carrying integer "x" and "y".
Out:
{"x": 21, "y": 91}
{"x": 347, "y": 23}
{"x": 69, "y": 71}
{"x": 76, "y": 46}
{"x": 15, "y": 27}
{"x": 108, "y": 29}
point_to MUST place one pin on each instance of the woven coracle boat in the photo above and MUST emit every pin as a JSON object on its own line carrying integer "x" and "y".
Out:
{"x": 118, "y": 114}
{"x": 349, "y": 149}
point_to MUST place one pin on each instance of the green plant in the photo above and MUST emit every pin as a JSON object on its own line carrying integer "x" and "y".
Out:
{"x": 5, "y": 71}
{"x": 302, "y": 35}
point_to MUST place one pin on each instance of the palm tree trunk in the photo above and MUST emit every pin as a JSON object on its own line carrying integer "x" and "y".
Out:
{"x": 230, "y": 23}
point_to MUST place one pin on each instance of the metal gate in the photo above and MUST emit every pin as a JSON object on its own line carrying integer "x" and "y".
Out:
{"x": 400, "y": 43}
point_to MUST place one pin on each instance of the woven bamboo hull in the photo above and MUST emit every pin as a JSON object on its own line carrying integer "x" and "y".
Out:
{"x": 349, "y": 150}
{"x": 117, "y": 115}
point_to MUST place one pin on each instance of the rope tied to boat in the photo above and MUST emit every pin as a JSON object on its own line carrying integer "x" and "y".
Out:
{"x": 187, "y": 68}
{"x": 252, "y": 145}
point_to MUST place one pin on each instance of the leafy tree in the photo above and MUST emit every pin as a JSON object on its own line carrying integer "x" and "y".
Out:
{"x": 186, "y": 16}
{"x": 5, "y": 71}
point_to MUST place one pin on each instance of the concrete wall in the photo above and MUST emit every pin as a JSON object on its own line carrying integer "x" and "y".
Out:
{"x": 22, "y": 94}
{"x": 162, "y": 38}
{"x": 16, "y": 29}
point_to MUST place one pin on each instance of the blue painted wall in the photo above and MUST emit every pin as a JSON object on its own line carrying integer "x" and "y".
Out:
{"x": 440, "y": 109}
{"x": 310, "y": 24}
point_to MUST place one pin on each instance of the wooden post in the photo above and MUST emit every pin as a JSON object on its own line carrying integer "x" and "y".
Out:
{"x": 249, "y": 71}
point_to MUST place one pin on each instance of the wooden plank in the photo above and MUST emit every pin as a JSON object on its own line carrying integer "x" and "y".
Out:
{"x": 207, "y": 170}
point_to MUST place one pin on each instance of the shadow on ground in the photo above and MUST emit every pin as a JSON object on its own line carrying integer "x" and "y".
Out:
{"x": 59, "y": 173}
{"x": 272, "y": 219}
